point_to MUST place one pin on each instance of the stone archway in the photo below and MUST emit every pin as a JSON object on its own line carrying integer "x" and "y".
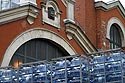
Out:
{"x": 32, "y": 34}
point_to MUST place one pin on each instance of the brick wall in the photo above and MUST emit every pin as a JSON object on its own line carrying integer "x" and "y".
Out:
{"x": 86, "y": 17}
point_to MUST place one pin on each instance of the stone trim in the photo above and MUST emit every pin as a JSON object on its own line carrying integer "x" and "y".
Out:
{"x": 29, "y": 12}
{"x": 32, "y": 34}
{"x": 45, "y": 19}
{"x": 65, "y": 2}
{"x": 70, "y": 8}
{"x": 74, "y": 31}
{"x": 106, "y": 6}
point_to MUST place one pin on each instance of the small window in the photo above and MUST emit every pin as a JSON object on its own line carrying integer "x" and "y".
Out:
{"x": 115, "y": 37}
{"x": 51, "y": 13}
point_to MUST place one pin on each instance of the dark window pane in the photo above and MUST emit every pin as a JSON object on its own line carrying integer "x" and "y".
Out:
{"x": 51, "y": 52}
{"x": 115, "y": 37}
{"x": 33, "y": 49}
{"x": 37, "y": 50}
{"x": 51, "y": 13}
{"x": 41, "y": 50}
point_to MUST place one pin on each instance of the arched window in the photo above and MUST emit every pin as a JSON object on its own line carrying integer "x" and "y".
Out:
{"x": 115, "y": 37}
{"x": 51, "y": 13}
{"x": 37, "y": 50}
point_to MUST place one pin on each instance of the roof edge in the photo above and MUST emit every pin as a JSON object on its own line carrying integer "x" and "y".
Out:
{"x": 108, "y": 6}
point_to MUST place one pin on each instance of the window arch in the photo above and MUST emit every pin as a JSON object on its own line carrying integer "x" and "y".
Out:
{"x": 37, "y": 50}
{"x": 114, "y": 21}
{"x": 115, "y": 37}
{"x": 31, "y": 34}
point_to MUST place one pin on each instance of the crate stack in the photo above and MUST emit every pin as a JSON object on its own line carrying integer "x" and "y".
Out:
{"x": 107, "y": 67}
{"x": 37, "y": 72}
{"x": 8, "y": 75}
{"x": 72, "y": 69}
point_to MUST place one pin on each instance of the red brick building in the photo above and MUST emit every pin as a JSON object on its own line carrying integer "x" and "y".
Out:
{"x": 44, "y": 29}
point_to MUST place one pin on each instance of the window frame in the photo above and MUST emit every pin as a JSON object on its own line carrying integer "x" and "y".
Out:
{"x": 115, "y": 39}
{"x": 45, "y": 18}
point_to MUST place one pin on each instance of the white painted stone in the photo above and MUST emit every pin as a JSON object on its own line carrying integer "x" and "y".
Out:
{"x": 56, "y": 22}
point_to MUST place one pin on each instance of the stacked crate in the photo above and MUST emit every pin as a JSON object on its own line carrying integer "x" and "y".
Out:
{"x": 8, "y": 75}
{"x": 107, "y": 67}
{"x": 37, "y": 72}
{"x": 72, "y": 69}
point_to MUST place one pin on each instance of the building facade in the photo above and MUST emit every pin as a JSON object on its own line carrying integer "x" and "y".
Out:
{"x": 34, "y": 30}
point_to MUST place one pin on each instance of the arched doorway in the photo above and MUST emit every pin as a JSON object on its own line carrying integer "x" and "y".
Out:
{"x": 34, "y": 34}
{"x": 37, "y": 50}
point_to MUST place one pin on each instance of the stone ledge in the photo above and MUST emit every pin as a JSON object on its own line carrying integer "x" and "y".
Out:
{"x": 74, "y": 31}
{"x": 29, "y": 12}
{"x": 107, "y": 6}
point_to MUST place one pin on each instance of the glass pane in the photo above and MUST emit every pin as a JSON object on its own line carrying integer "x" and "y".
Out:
{"x": 51, "y": 52}
{"x": 37, "y": 50}
{"x": 5, "y": 4}
{"x": 33, "y": 49}
{"x": 115, "y": 37}
{"x": 51, "y": 13}
{"x": 16, "y": 60}
{"x": 0, "y": 4}
{"x": 14, "y": 3}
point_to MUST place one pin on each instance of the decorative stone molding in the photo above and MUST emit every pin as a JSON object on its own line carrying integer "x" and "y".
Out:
{"x": 45, "y": 19}
{"x": 27, "y": 11}
{"x": 71, "y": 1}
{"x": 107, "y": 6}
{"x": 65, "y": 2}
{"x": 74, "y": 31}
{"x": 70, "y": 8}
{"x": 32, "y": 34}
